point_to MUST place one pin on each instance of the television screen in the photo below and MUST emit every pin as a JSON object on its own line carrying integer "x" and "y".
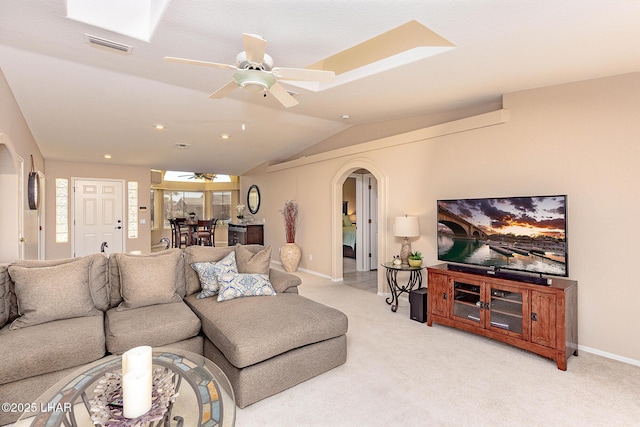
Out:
{"x": 516, "y": 233}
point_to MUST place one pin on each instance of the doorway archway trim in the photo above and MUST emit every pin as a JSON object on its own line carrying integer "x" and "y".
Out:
{"x": 10, "y": 194}
{"x": 336, "y": 212}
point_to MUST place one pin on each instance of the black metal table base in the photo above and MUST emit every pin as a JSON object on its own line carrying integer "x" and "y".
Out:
{"x": 415, "y": 281}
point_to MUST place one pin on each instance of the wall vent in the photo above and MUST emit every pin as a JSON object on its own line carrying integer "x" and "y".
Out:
{"x": 108, "y": 44}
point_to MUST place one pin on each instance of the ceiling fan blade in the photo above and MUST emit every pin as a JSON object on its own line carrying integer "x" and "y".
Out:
{"x": 393, "y": 42}
{"x": 281, "y": 94}
{"x": 224, "y": 90}
{"x": 196, "y": 62}
{"x": 254, "y": 47}
{"x": 303, "y": 74}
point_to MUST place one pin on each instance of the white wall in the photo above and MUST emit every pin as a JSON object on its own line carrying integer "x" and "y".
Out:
{"x": 579, "y": 139}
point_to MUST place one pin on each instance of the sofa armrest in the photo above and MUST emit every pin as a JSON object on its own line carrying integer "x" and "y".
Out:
{"x": 283, "y": 281}
{"x": 6, "y": 295}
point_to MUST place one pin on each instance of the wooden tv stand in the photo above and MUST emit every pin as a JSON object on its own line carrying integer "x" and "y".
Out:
{"x": 538, "y": 318}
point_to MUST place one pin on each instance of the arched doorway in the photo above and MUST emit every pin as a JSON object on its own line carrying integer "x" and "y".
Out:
{"x": 337, "y": 211}
{"x": 11, "y": 208}
{"x": 360, "y": 222}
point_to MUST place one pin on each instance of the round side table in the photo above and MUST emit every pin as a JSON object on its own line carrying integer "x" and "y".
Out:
{"x": 415, "y": 278}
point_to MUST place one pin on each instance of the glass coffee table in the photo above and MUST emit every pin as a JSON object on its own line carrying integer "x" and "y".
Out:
{"x": 204, "y": 396}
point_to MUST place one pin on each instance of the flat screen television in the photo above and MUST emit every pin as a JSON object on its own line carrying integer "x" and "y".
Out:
{"x": 525, "y": 234}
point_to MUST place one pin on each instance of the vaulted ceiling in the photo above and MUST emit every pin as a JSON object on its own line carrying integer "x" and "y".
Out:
{"x": 82, "y": 102}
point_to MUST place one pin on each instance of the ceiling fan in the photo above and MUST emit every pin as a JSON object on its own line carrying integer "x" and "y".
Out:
{"x": 200, "y": 175}
{"x": 256, "y": 73}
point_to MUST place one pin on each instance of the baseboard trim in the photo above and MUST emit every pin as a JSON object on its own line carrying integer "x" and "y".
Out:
{"x": 315, "y": 273}
{"x": 609, "y": 355}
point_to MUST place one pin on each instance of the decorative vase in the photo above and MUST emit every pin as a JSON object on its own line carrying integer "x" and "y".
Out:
{"x": 290, "y": 257}
{"x": 415, "y": 262}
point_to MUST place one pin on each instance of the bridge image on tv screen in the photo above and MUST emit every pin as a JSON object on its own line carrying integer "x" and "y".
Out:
{"x": 515, "y": 233}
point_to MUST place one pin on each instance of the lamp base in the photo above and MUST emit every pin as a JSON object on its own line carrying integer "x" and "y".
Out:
{"x": 405, "y": 250}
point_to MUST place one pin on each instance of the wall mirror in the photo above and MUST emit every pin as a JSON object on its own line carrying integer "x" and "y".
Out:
{"x": 253, "y": 199}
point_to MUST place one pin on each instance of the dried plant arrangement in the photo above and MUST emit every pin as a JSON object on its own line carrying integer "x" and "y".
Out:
{"x": 290, "y": 214}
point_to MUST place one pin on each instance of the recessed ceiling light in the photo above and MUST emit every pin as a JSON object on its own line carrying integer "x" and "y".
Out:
{"x": 224, "y": 136}
{"x": 159, "y": 126}
{"x": 107, "y": 156}
{"x": 345, "y": 117}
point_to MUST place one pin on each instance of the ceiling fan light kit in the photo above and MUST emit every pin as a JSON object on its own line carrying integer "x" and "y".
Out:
{"x": 254, "y": 80}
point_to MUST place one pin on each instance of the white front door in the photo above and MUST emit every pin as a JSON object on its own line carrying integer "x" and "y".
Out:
{"x": 98, "y": 216}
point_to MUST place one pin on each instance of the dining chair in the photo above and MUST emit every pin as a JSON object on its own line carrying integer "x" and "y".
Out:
{"x": 180, "y": 232}
{"x": 205, "y": 232}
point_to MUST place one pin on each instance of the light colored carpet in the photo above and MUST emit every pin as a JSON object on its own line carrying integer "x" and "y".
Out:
{"x": 403, "y": 373}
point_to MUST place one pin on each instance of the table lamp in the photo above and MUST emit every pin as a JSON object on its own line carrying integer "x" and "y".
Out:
{"x": 406, "y": 226}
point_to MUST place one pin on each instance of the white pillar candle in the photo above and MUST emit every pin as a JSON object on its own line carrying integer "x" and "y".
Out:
{"x": 137, "y": 358}
{"x": 136, "y": 393}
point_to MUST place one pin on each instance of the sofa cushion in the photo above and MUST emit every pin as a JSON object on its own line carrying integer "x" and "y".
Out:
{"x": 250, "y": 330}
{"x": 98, "y": 275}
{"x": 253, "y": 263}
{"x": 235, "y": 285}
{"x": 148, "y": 280}
{"x": 50, "y": 347}
{"x": 115, "y": 288}
{"x": 208, "y": 273}
{"x": 45, "y": 294}
{"x": 155, "y": 325}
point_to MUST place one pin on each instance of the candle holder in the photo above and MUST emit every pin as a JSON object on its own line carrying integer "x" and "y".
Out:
{"x": 106, "y": 405}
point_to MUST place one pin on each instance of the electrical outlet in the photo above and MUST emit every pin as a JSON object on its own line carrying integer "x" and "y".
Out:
{"x": 310, "y": 257}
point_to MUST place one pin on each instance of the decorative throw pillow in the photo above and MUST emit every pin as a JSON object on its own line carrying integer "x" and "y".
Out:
{"x": 253, "y": 263}
{"x": 46, "y": 294}
{"x": 148, "y": 280}
{"x": 346, "y": 222}
{"x": 236, "y": 285}
{"x": 208, "y": 273}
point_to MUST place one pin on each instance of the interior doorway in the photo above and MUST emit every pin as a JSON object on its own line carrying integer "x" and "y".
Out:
{"x": 360, "y": 222}
{"x": 11, "y": 191}
{"x": 376, "y": 238}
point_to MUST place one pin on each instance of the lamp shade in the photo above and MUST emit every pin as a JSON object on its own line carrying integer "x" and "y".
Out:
{"x": 406, "y": 226}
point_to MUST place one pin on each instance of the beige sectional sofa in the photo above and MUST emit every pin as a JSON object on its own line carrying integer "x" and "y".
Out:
{"x": 58, "y": 315}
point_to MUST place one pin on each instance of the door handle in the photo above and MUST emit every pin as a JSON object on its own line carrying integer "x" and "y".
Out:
{"x": 119, "y": 227}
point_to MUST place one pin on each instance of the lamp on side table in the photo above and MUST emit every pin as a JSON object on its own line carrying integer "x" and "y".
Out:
{"x": 405, "y": 227}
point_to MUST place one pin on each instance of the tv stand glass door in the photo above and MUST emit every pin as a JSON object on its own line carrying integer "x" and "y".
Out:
{"x": 467, "y": 302}
{"x": 506, "y": 309}
{"x": 500, "y": 308}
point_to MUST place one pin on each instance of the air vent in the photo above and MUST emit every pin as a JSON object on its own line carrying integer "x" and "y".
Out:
{"x": 108, "y": 44}
{"x": 182, "y": 146}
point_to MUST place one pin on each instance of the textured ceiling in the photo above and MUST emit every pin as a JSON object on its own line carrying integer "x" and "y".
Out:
{"x": 82, "y": 102}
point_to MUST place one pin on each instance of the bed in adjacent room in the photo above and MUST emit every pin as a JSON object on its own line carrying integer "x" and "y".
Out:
{"x": 348, "y": 237}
